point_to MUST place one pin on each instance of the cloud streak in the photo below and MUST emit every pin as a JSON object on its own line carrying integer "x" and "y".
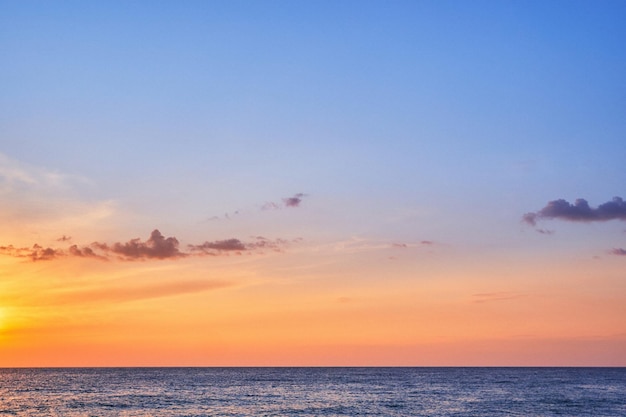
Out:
{"x": 497, "y": 296}
{"x": 156, "y": 247}
{"x": 288, "y": 202}
{"x": 580, "y": 211}
{"x": 236, "y": 246}
{"x": 293, "y": 201}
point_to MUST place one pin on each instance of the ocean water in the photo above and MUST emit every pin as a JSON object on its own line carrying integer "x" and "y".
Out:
{"x": 313, "y": 392}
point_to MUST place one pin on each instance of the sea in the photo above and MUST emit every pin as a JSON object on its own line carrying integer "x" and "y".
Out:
{"x": 368, "y": 391}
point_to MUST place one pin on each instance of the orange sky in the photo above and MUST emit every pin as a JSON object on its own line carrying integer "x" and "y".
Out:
{"x": 385, "y": 306}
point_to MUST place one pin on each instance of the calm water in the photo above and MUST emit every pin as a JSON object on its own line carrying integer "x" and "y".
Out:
{"x": 314, "y": 392}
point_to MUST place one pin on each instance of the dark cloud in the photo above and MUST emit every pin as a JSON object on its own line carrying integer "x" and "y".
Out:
{"x": 580, "y": 211}
{"x": 39, "y": 253}
{"x": 618, "y": 251}
{"x": 157, "y": 246}
{"x": 84, "y": 252}
{"x": 227, "y": 245}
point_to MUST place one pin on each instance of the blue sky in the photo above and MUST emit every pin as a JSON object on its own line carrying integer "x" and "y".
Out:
{"x": 449, "y": 105}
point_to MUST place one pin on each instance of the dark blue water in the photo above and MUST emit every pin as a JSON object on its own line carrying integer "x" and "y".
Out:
{"x": 313, "y": 392}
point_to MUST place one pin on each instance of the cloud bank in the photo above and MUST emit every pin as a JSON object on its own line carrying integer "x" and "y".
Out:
{"x": 580, "y": 211}
{"x": 156, "y": 246}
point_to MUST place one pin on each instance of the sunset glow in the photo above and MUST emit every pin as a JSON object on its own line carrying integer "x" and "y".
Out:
{"x": 313, "y": 183}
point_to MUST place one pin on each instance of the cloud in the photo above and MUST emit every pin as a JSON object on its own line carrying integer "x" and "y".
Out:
{"x": 580, "y": 211}
{"x": 157, "y": 246}
{"x": 219, "y": 246}
{"x": 618, "y": 251}
{"x": 35, "y": 253}
{"x": 127, "y": 294}
{"x": 293, "y": 201}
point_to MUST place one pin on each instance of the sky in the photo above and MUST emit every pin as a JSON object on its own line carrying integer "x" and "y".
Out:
{"x": 324, "y": 183}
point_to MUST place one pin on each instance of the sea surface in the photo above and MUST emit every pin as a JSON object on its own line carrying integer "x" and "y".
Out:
{"x": 313, "y": 392}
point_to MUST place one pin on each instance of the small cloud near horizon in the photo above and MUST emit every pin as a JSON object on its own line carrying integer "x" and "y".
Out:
{"x": 293, "y": 201}
{"x": 618, "y": 251}
{"x": 35, "y": 253}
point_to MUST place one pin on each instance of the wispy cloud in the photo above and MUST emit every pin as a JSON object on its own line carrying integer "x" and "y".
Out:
{"x": 580, "y": 211}
{"x": 126, "y": 294}
{"x": 34, "y": 253}
{"x": 618, "y": 251}
{"x": 156, "y": 246}
{"x": 38, "y": 196}
{"x": 15, "y": 175}
{"x": 293, "y": 201}
{"x": 497, "y": 296}
{"x": 412, "y": 245}
{"x": 288, "y": 202}
{"x": 236, "y": 246}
